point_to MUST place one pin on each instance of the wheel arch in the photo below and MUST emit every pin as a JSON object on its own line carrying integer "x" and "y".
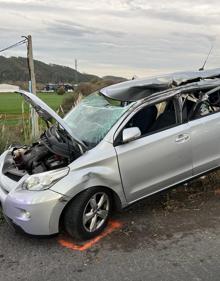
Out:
{"x": 116, "y": 201}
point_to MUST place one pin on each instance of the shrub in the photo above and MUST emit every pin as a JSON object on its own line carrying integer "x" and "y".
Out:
{"x": 70, "y": 101}
{"x": 8, "y": 137}
{"x": 83, "y": 90}
{"x": 61, "y": 91}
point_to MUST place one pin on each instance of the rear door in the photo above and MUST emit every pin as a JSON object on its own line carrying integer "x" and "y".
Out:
{"x": 205, "y": 134}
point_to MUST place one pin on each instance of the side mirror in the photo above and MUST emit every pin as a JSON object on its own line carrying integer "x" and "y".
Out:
{"x": 130, "y": 134}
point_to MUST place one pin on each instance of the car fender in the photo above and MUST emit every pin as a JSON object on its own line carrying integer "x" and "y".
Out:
{"x": 98, "y": 167}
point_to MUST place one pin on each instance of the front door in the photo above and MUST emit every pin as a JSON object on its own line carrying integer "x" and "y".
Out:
{"x": 156, "y": 160}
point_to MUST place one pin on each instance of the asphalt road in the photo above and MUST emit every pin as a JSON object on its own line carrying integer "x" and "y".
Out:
{"x": 171, "y": 236}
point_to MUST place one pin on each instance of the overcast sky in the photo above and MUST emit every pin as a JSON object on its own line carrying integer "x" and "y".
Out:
{"x": 117, "y": 37}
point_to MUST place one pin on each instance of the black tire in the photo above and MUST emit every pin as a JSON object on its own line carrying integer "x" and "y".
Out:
{"x": 74, "y": 214}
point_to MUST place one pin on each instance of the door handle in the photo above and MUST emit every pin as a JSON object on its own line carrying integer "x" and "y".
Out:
{"x": 182, "y": 138}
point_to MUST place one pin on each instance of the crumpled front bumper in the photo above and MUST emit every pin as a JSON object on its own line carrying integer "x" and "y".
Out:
{"x": 35, "y": 212}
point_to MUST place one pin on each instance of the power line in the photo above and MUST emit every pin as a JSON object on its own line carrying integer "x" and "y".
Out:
{"x": 14, "y": 45}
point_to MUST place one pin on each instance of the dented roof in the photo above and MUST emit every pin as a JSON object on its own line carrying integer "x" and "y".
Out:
{"x": 141, "y": 88}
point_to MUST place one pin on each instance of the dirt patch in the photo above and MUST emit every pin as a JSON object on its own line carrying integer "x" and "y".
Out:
{"x": 171, "y": 215}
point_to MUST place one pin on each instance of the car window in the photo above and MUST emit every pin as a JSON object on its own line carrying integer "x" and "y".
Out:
{"x": 154, "y": 118}
{"x": 198, "y": 105}
{"x": 93, "y": 117}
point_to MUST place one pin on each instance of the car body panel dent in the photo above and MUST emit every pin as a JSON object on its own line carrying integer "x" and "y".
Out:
{"x": 145, "y": 87}
{"x": 97, "y": 167}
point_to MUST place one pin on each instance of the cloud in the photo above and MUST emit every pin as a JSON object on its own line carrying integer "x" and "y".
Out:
{"x": 118, "y": 37}
{"x": 69, "y": 28}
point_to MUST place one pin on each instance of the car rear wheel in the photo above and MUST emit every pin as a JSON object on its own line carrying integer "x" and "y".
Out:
{"x": 88, "y": 213}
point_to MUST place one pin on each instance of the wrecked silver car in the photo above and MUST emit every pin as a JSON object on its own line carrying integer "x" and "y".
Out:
{"x": 116, "y": 146}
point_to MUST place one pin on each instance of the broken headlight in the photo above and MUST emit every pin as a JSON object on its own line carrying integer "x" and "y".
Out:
{"x": 45, "y": 180}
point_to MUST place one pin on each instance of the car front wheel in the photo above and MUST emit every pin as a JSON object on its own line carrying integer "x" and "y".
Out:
{"x": 88, "y": 213}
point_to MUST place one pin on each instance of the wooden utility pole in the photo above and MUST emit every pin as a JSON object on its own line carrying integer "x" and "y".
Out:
{"x": 32, "y": 87}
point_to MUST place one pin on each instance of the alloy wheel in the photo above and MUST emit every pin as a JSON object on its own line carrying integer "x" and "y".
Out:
{"x": 96, "y": 211}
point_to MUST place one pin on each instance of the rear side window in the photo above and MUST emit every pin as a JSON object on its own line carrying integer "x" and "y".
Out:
{"x": 199, "y": 105}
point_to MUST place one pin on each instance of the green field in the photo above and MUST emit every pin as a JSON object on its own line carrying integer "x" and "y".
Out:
{"x": 11, "y": 103}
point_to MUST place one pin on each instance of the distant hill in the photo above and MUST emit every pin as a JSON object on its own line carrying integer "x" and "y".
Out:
{"x": 115, "y": 79}
{"x": 14, "y": 70}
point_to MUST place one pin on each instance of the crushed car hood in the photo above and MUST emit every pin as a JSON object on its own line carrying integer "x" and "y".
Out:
{"x": 48, "y": 114}
{"x": 141, "y": 88}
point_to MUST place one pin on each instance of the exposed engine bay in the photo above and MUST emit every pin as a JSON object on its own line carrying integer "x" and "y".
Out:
{"x": 54, "y": 150}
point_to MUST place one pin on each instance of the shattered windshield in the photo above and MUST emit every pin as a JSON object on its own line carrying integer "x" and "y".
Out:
{"x": 93, "y": 117}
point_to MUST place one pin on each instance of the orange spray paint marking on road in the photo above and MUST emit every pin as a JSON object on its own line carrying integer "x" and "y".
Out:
{"x": 69, "y": 243}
